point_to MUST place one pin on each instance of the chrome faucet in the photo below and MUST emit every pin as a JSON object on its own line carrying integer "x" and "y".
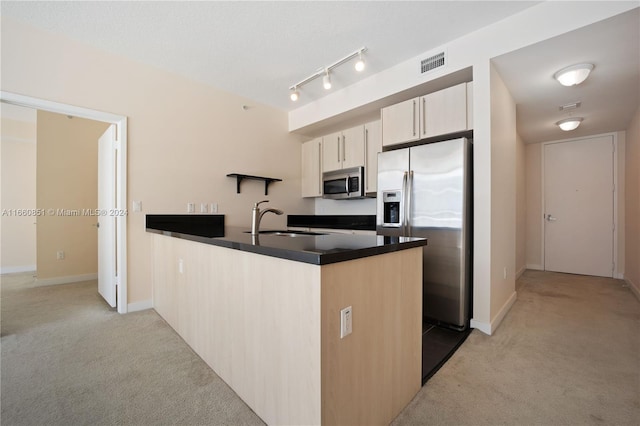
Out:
{"x": 256, "y": 216}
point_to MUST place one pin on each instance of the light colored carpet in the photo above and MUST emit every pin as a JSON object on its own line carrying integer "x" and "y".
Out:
{"x": 568, "y": 353}
{"x": 68, "y": 359}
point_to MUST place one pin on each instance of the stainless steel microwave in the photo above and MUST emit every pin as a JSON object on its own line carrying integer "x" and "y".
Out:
{"x": 343, "y": 184}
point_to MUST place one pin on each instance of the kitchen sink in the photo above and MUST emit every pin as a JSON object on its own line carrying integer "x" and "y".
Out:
{"x": 288, "y": 233}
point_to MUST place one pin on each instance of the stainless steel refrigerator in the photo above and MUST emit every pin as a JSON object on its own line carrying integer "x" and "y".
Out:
{"x": 426, "y": 191}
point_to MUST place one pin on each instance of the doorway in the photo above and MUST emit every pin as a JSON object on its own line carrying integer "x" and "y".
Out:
{"x": 579, "y": 206}
{"x": 118, "y": 190}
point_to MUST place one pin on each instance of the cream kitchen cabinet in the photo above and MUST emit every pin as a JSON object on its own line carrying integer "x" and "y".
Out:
{"x": 343, "y": 149}
{"x": 312, "y": 168}
{"x": 445, "y": 111}
{"x": 400, "y": 122}
{"x": 372, "y": 146}
{"x": 438, "y": 113}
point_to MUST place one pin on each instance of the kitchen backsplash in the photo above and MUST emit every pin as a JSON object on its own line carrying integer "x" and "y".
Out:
{"x": 366, "y": 206}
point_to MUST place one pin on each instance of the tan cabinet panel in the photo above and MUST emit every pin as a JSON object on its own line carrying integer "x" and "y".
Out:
{"x": 312, "y": 168}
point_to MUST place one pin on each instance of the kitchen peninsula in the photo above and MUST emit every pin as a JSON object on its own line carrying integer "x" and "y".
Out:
{"x": 264, "y": 312}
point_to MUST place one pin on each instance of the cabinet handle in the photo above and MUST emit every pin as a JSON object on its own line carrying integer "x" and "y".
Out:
{"x": 366, "y": 157}
{"x": 344, "y": 149}
{"x": 338, "y": 149}
{"x": 414, "y": 118}
{"x": 424, "y": 116}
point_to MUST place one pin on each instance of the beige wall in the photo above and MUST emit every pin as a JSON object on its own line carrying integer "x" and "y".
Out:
{"x": 521, "y": 206}
{"x": 18, "y": 232}
{"x": 67, "y": 183}
{"x": 184, "y": 137}
{"x": 632, "y": 205}
{"x": 503, "y": 197}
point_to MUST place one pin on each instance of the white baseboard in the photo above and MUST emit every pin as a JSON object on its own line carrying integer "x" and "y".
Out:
{"x": 485, "y": 327}
{"x": 489, "y": 328}
{"x": 65, "y": 280}
{"x": 17, "y": 269}
{"x": 140, "y": 306}
{"x": 635, "y": 289}
{"x": 521, "y": 271}
{"x": 535, "y": 267}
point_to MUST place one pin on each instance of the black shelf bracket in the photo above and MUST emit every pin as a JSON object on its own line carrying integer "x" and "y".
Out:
{"x": 240, "y": 177}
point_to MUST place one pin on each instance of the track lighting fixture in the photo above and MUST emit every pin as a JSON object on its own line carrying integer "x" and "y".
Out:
{"x": 325, "y": 73}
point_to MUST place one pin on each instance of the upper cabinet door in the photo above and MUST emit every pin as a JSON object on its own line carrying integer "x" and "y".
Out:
{"x": 444, "y": 111}
{"x": 312, "y": 168}
{"x": 372, "y": 146}
{"x": 400, "y": 122}
{"x": 353, "y": 147}
{"x": 332, "y": 152}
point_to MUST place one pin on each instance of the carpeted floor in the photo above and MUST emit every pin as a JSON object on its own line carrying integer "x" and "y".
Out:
{"x": 568, "y": 353}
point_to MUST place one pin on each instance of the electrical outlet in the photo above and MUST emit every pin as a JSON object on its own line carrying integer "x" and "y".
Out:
{"x": 214, "y": 208}
{"x": 346, "y": 321}
{"x": 191, "y": 207}
{"x": 181, "y": 266}
{"x": 60, "y": 255}
{"x": 137, "y": 206}
{"x": 203, "y": 207}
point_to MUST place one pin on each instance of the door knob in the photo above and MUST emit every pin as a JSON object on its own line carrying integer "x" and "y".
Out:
{"x": 550, "y": 218}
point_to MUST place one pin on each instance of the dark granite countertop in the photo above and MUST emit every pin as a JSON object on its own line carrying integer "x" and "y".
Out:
{"x": 314, "y": 249}
{"x": 357, "y": 222}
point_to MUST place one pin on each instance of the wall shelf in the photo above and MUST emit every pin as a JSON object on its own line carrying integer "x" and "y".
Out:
{"x": 240, "y": 177}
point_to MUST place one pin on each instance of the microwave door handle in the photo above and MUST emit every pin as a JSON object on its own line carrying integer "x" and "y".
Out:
{"x": 346, "y": 185}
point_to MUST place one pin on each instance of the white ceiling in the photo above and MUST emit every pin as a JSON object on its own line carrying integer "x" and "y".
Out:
{"x": 259, "y": 49}
{"x": 609, "y": 97}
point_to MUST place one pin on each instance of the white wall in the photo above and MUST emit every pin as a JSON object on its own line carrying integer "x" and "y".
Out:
{"x": 183, "y": 137}
{"x": 18, "y": 232}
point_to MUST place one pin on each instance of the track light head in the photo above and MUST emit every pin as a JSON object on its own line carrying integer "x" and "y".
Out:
{"x": 295, "y": 95}
{"x": 326, "y": 80}
{"x": 359, "y": 66}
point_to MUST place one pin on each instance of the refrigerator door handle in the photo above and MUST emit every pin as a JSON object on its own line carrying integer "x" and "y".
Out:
{"x": 407, "y": 214}
{"x": 403, "y": 216}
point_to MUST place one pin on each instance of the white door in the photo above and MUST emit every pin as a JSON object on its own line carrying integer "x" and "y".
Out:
{"x": 106, "y": 218}
{"x": 578, "y": 203}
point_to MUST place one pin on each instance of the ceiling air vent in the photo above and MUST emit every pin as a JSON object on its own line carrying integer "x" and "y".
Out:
{"x": 431, "y": 63}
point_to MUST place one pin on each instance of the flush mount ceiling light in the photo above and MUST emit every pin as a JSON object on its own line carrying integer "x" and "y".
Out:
{"x": 570, "y": 123}
{"x": 575, "y": 74}
{"x": 324, "y": 73}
